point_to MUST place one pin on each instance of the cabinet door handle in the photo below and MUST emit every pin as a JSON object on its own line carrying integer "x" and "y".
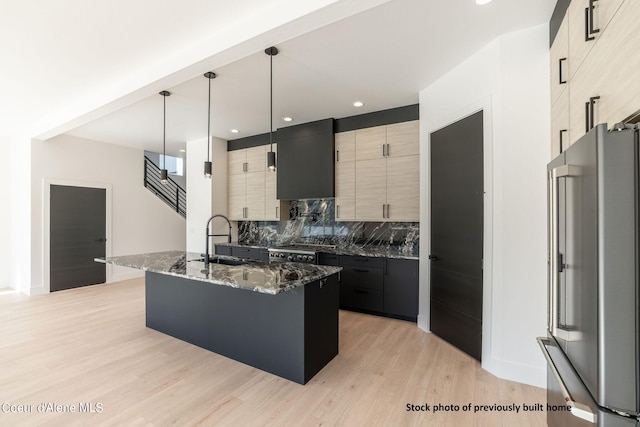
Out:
{"x": 384, "y": 211}
{"x": 588, "y": 22}
{"x": 277, "y": 212}
{"x": 337, "y": 211}
{"x": 384, "y": 150}
{"x": 388, "y": 150}
{"x": 592, "y": 9}
{"x": 562, "y": 131}
{"x": 586, "y": 117}
{"x": 358, "y": 291}
{"x": 337, "y": 155}
{"x": 358, "y": 270}
{"x": 592, "y": 101}
{"x": 589, "y": 114}
{"x": 560, "y": 61}
{"x": 388, "y": 208}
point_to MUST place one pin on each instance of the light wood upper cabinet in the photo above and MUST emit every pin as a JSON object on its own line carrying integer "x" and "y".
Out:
{"x": 402, "y": 139}
{"x": 370, "y": 143}
{"x": 237, "y": 185}
{"x": 601, "y": 87}
{"x": 587, "y": 26}
{"x": 236, "y": 161}
{"x": 371, "y": 189}
{"x": 579, "y": 46}
{"x": 255, "y": 196}
{"x": 403, "y": 188}
{"x": 257, "y": 158}
{"x": 345, "y": 146}
{"x": 275, "y": 209}
{"x": 345, "y": 191}
{"x": 560, "y": 136}
{"x": 559, "y": 54}
{"x": 251, "y": 186}
{"x": 618, "y": 62}
{"x": 381, "y": 182}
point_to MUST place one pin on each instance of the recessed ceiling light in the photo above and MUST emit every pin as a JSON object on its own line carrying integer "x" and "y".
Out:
{"x": 182, "y": 150}
{"x": 481, "y": 2}
{"x": 358, "y": 104}
{"x": 234, "y": 131}
{"x": 287, "y": 119}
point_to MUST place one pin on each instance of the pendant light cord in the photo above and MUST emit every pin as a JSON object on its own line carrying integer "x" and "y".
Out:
{"x": 209, "y": 120}
{"x": 271, "y": 102}
{"x": 164, "y": 132}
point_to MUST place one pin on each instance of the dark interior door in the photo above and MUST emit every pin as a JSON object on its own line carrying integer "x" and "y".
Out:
{"x": 78, "y": 235}
{"x": 457, "y": 234}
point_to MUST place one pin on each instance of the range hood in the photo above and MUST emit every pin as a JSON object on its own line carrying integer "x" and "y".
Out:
{"x": 305, "y": 161}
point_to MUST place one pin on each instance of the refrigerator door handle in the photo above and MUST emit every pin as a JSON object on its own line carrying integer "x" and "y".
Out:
{"x": 579, "y": 410}
{"x": 556, "y": 258}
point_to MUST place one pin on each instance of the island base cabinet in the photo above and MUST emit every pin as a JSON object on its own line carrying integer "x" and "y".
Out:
{"x": 293, "y": 334}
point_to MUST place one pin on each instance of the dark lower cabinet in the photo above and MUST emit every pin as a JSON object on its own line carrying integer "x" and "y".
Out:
{"x": 401, "y": 288}
{"x": 223, "y": 250}
{"x": 385, "y": 286}
{"x": 244, "y": 252}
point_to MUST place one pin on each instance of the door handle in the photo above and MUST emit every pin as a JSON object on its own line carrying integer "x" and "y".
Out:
{"x": 556, "y": 259}
{"x": 101, "y": 240}
{"x": 579, "y": 410}
{"x": 433, "y": 258}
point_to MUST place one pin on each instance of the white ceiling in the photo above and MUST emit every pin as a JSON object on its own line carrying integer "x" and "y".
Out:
{"x": 382, "y": 56}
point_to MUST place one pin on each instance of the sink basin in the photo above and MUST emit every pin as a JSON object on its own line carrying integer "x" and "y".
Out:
{"x": 222, "y": 260}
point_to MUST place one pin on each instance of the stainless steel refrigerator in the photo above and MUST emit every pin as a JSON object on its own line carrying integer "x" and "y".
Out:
{"x": 593, "y": 342}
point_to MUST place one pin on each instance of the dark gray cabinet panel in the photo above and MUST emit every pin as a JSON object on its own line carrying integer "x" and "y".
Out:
{"x": 223, "y": 250}
{"x": 293, "y": 334}
{"x": 361, "y": 298}
{"x": 305, "y": 161}
{"x": 377, "y": 285}
{"x": 401, "y": 288}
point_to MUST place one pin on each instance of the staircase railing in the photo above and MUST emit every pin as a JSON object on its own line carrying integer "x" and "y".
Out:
{"x": 171, "y": 193}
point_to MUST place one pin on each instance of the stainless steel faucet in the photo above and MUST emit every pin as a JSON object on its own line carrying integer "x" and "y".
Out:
{"x": 207, "y": 258}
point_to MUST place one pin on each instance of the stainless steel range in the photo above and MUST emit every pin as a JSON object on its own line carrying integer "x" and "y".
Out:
{"x": 297, "y": 252}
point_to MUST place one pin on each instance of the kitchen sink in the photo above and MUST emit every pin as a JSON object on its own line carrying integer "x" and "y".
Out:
{"x": 222, "y": 260}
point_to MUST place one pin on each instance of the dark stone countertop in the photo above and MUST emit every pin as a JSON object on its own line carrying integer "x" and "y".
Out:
{"x": 268, "y": 278}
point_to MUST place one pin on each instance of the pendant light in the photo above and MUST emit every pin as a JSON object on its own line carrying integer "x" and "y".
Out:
{"x": 271, "y": 155}
{"x": 210, "y": 75}
{"x": 164, "y": 176}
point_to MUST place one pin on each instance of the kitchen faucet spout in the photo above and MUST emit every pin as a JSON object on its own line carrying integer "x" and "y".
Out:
{"x": 207, "y": 258}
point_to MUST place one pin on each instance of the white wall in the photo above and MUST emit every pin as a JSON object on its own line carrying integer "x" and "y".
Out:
{"x": 509, "y": 80}
{"x": 20, "y": 205}
{"x": 140, "y": 222}
{"x": 206, "y": 196}
{"x": 5, "y": 215}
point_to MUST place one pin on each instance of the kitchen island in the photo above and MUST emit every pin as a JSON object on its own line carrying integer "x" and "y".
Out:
{"x": 278, "y": 317}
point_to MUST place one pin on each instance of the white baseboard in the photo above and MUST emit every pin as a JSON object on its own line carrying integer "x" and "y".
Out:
{"x": 526, "y": 374}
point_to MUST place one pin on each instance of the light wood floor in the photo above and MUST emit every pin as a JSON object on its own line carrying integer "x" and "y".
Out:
{"x": 90, "y": 345}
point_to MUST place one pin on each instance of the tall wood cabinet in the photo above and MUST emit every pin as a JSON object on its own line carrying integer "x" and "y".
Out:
{"x": 275, "y": 210}
{"x": 246, "y": 183}
{"x": 378, "y": 173}
{"x": 345, "y": 169}
{"x": 594, "y": 58}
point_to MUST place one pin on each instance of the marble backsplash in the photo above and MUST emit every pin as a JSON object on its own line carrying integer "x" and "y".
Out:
{"x": 313, "y": 221}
